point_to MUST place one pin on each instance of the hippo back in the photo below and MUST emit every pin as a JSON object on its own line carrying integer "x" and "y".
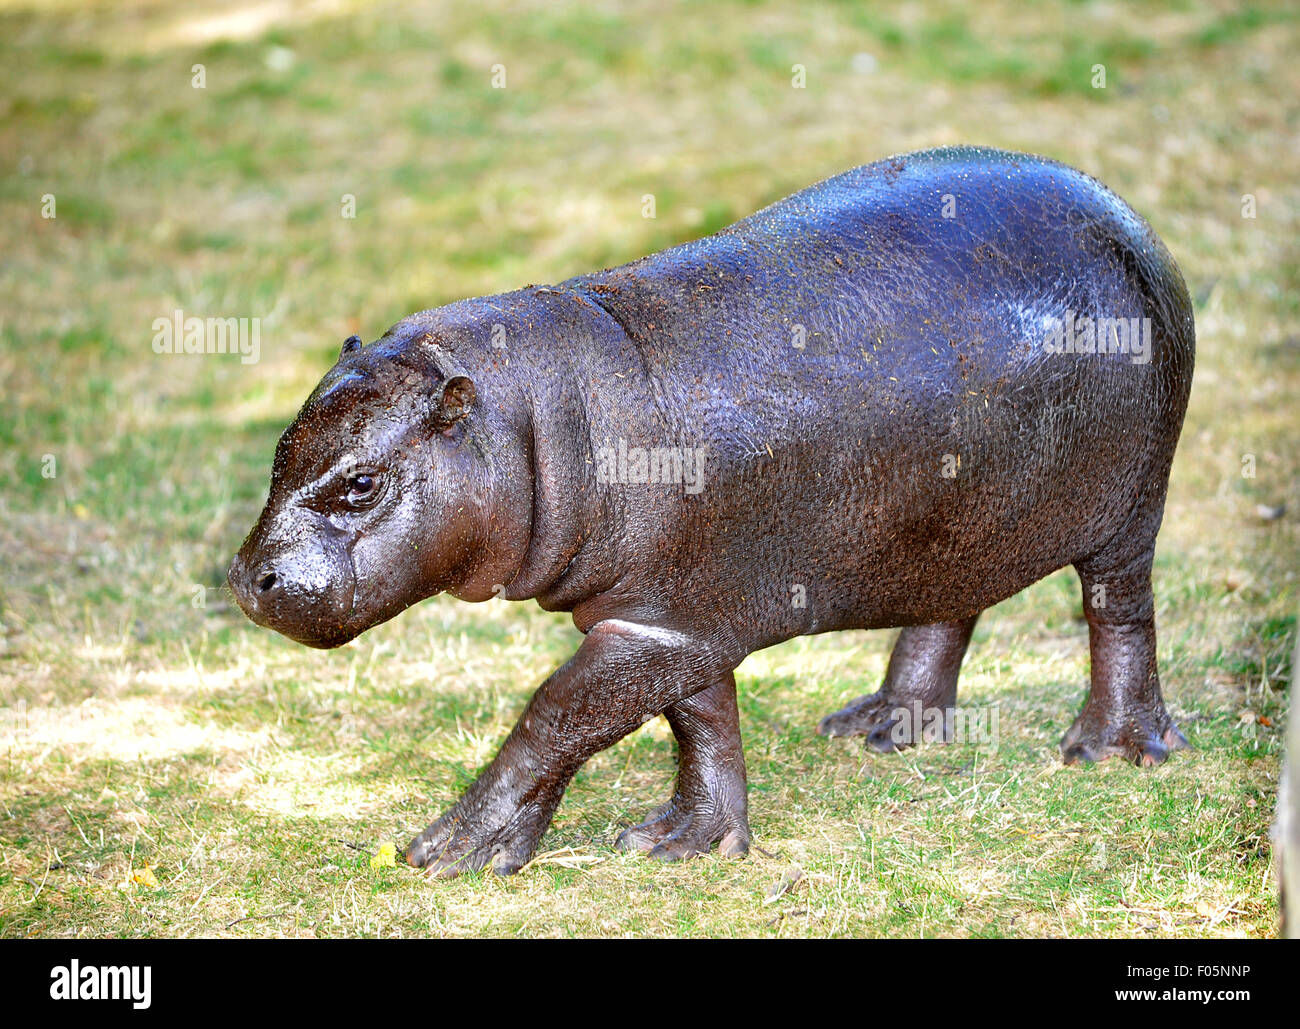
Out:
{"x": 876, "y": 368}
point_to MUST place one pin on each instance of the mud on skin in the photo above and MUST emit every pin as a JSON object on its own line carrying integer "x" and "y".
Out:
{"x": 883, "y": 426}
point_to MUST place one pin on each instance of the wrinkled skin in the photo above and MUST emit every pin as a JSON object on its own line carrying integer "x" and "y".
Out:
{"x": 887, "y": 440}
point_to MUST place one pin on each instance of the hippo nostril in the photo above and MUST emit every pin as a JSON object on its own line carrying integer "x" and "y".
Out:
{"x": 266, "y": 582}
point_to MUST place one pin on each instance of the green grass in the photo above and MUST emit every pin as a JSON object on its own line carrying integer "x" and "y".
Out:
{"x": 255, "y": 777}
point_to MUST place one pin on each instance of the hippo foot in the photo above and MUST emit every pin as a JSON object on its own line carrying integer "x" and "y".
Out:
{"x": 889, "y": 723}
{"x": 681, "y": 830}
{"x": 1143, "y": 741}
{"x": 456, "y": 843}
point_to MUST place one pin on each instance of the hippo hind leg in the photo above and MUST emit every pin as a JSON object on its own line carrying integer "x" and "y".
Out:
{"x": 1125, "y": 714}
{"x": 922, "y": 677}
{"x": 709, "y": 803}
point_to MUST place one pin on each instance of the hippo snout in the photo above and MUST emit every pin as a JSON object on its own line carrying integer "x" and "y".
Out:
{"x": 307, "y": 597}
{"x": 255, "y": 588}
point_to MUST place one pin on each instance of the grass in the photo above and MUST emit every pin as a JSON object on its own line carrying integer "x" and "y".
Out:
{"x": 146, "y": 723}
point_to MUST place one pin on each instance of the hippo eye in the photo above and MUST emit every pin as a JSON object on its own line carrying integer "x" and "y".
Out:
{"x": 363, "y": 488}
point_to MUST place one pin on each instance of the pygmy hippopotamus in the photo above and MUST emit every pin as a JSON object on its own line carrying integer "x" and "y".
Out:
{"x": 893, "y": 399}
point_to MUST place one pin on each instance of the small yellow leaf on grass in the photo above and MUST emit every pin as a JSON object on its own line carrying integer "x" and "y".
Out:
{"x": 386, "y": 857}
{"x": 139, "y": 877}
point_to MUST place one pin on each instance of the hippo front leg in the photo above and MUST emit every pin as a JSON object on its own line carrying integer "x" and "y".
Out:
{"x": 623, "y": 675}
{"x": 709, "y": 804}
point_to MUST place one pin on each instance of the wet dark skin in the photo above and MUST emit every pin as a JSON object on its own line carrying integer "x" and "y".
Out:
{"x": 887, "y": 442}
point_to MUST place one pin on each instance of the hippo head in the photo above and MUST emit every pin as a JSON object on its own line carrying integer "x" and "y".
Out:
{"x": 380, "y": 496}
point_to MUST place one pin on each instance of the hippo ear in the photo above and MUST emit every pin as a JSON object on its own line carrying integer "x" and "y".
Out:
{"x": 349, "y": 345}
{"x": 452, "y": 401}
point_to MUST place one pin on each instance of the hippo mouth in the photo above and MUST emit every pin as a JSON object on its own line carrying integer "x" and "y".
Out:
{"x": 320, "y": 619}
